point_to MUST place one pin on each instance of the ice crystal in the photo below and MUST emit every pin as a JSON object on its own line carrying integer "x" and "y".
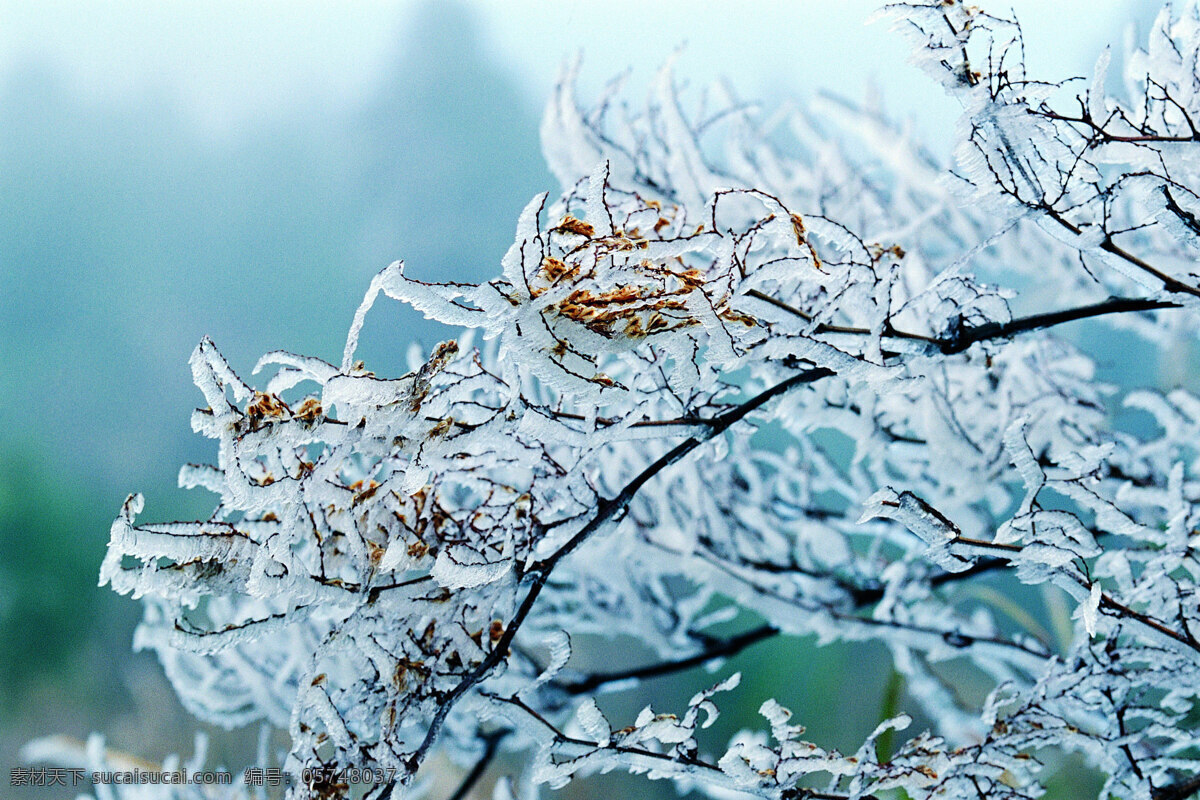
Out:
{"x": 639, "y": 433}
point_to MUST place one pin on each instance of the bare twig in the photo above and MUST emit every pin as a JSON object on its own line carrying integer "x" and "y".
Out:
{"x": 606, "y": 511}
{"x": 491, "y": 745}
{"x": 1178, "y": 791}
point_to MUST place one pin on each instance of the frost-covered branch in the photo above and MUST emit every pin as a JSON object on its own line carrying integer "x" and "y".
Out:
{"x": 743, "y": 364}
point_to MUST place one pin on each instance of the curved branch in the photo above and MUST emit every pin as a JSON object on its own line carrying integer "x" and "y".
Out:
{"x": 1035, "y": 322}
{"x": 1178, "y": 791}
{"x": 733, "y": 645}
{"x": 721, "y": 648}
{"x": 608, "y": 510}
{"x": 491, "y": 745}
{"x": 967, "y": 336}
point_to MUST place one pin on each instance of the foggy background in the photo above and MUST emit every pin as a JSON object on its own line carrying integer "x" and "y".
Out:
{"x": 169, "y": 171}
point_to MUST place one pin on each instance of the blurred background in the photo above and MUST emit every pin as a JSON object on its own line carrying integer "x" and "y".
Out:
{"x": 169, "y": 171}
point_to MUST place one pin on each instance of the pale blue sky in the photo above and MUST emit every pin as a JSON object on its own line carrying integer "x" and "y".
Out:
{"x": 226, "y": 61}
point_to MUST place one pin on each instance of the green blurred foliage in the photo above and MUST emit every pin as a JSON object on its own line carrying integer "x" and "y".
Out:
{"x": 47, "y": 579}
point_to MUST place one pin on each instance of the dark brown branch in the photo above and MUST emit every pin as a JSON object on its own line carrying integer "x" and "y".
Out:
{"x": 645, "y": 423}
{"x": 1123, "y": 610}
{"x": 721, "y": 648}
{"x": 967, "y": 336}
{"x": 375, "y": 591}
{"x": 800, "y": 793}
{"x": 1002, "y": 330}
{"x": 479, "y": 673}
{"x": 794, "y": 793}
{"x": 1106, "y": 600}
{"x": 612, "y": 508}
{"x": 1178, "y": 791}
{"x": 1170, "y": 283}
{"x": 732, "y": 646}
{"x": 827, "y": 328}
{"x": 562, "y": 738}
{"x": 491, "y": 745}
{"x": 1186, "y": 217}
{"x": 1104, "y": 136}
{"x": 607, "y": 510}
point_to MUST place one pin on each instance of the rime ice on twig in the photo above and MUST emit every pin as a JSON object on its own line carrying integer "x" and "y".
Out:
{"x": 390, "y": 555}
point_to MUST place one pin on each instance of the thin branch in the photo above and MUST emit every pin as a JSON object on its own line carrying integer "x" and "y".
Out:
{"x": 614, "y": 507}
{"x": 1178, "y": 791}
{"x": 826, "y": 327}
{"x": 1170, "y": 283}
{"x": 733, "y": 645}
{"x": 794, "y": 793}
{"x": 969, "y": 335}
{"x": 606, "y": 511}
{"x": 645, "y": 423}
{"x": 375, "y": 591}
{"x": 997, "y": 330}
{"x": 610, "y": 509}
{"x": 563, "y": 738}
{"x": 1104, "y": 136}
{"x": 1186, "y": 217}
{"x": 721, "y": 648}
{"x": 1106, "y": 600}
{"x": 491, "y": 745}
{"x": 1150, "y": 622}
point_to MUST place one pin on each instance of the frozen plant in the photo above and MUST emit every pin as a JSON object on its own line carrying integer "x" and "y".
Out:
{"x": 634, "y": 434}
{"x": 113, "y": 775}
